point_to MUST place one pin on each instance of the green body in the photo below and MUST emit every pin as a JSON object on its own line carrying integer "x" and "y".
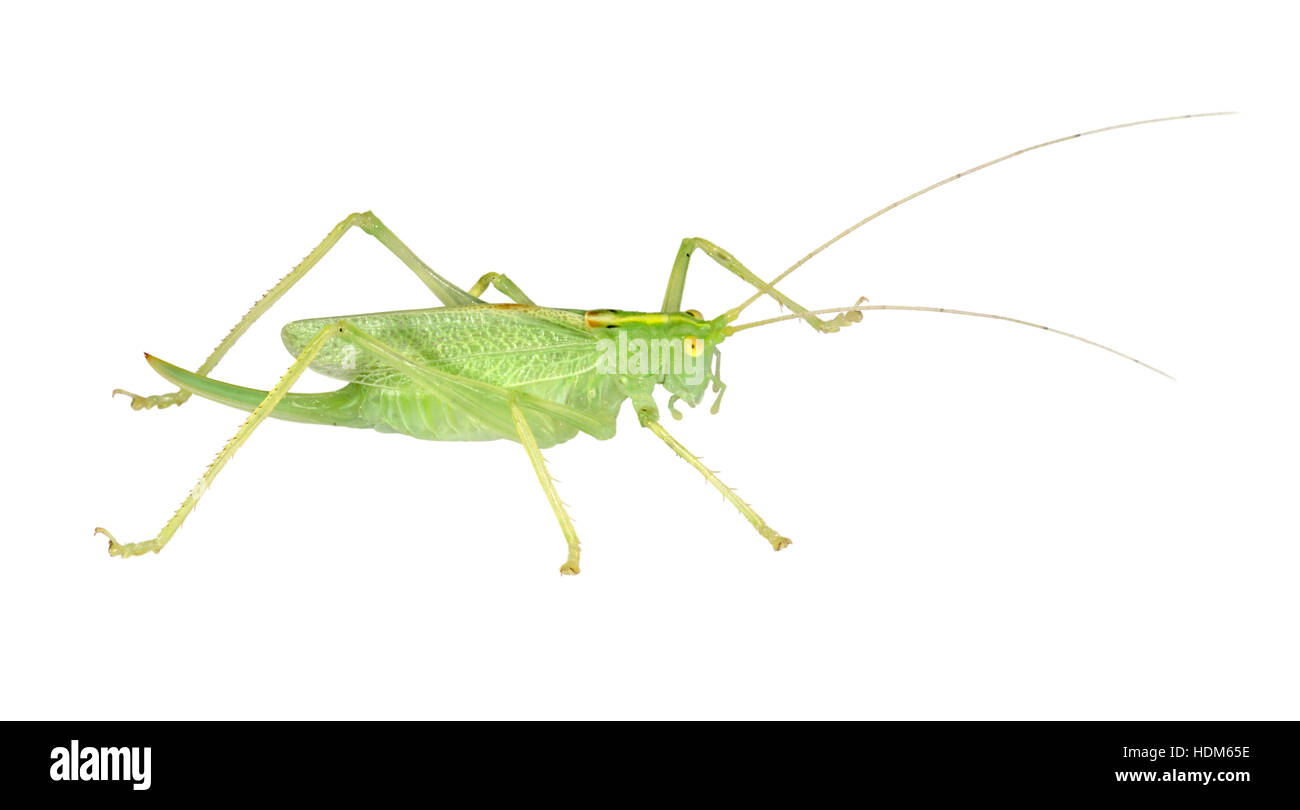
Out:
{"x": 551, "y": 354}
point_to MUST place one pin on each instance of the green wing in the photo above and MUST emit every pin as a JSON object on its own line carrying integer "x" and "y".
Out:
{"x": 507, "y": 345}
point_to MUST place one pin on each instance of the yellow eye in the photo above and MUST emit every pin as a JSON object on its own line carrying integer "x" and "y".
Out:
{"x": 695, "y": 313}
{"x": 694, "y": 347}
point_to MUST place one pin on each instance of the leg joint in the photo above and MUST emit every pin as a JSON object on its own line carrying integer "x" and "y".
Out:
{"x": 367, "y": 221}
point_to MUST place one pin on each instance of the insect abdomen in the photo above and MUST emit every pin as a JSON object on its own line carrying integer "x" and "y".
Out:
{"x": 420, "y": 415}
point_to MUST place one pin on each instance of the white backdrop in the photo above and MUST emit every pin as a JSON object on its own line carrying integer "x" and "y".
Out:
{"x": 988, "y": 521}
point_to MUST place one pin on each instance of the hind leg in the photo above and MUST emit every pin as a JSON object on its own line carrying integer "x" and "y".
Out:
{"x": 448, "y": 293}
{"x": 255, "y": 418}
{"x": 497, "y": 408}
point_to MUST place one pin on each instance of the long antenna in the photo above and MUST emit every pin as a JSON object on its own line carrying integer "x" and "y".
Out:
{"x": 864, "y": 308}
{"x": 958, "y": 176}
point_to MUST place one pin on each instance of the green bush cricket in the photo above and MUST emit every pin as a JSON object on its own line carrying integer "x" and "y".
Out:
{"x": 473, "y": 371}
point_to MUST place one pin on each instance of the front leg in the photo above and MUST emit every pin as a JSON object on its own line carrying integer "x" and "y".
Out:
{"x": 642, "y": 395}
{"x": 769, "y": 534}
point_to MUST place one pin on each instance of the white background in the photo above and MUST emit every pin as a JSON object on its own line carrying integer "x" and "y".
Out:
{"x": 989, "y": 522}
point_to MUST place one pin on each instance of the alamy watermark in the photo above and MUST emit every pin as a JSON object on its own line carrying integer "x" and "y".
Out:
{"x": 76, "y": 764}
{"x": 682, "y": 357}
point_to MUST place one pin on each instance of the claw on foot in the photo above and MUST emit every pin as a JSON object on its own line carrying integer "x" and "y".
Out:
{"x": 780, "y": 542}
{"x": 569, "y": 569}
{"x": 116, "y": 549}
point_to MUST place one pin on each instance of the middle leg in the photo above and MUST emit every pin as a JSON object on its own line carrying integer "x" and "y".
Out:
{"x": 502, "y": 283}
{"x": 548, "y": 485}
{"x": 677, "y": 285}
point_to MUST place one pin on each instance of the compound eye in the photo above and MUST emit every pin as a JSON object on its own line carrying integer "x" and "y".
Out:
{"x": 694, "y": 347}
{"x": 695, "y": 313}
